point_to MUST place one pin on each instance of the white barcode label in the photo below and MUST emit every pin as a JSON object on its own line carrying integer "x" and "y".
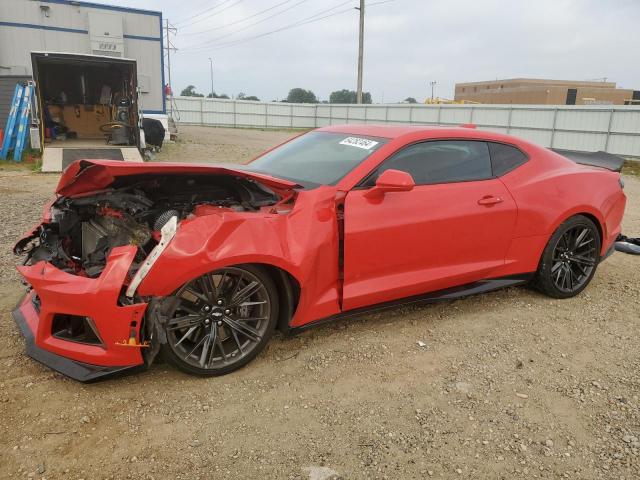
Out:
{"x": 364, "y": 143}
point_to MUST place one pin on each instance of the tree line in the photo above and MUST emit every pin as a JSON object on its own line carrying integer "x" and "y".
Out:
{"x": 190, "y": 91}
{"x": 296, "y": 95}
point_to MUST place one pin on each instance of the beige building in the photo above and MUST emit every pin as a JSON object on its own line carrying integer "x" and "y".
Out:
{"x": 545, "y": 92}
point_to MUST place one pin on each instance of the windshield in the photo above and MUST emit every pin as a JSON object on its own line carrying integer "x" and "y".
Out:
{"x": 317, "y": 158}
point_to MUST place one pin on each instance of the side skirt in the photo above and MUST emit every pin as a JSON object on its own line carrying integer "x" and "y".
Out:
{"x": 475, "y": 288}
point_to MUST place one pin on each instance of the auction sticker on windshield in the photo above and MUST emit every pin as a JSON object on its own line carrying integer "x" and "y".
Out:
{"x": 364, "y": 143}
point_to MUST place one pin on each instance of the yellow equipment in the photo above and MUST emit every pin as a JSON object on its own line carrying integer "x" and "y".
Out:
{"x": 446, "y": 101}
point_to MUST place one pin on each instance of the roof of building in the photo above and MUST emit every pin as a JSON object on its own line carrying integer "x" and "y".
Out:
{"x": 540, "y": 81}
{"x": 103, "y": 6}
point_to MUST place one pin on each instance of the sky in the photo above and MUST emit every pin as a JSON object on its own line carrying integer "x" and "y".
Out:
{"x": 408, "y": 43}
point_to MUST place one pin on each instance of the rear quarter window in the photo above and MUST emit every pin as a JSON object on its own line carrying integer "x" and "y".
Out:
{"x": 505, "y": 158}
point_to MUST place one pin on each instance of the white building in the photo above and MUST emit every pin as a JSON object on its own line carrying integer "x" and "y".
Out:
{"x": 83, "y": 28}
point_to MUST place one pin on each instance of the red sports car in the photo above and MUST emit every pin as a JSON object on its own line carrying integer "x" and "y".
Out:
{"x": 202, "y": 263}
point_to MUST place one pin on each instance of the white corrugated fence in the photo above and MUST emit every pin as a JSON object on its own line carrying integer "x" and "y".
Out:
{"x": 611, "y": 128}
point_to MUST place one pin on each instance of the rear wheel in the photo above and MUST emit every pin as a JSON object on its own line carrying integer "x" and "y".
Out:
{"x": 570, "y": 258}
{"x": 221, "y": 320}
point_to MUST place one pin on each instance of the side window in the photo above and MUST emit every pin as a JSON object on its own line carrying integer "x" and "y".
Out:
{"x": 440, "y": 161}
{"x": 505, "y": 158}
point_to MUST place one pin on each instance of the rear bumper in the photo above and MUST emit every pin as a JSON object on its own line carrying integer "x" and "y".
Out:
{"x": 57, "y": 292}
{"x": 608, "y": 253}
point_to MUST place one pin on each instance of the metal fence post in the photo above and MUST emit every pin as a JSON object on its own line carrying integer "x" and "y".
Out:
{"x": 315, "y": 123}
{"x": 410, "y": 113}
{"x": 509, "y": 120}
{"x": 606, "y": 143}
{"x": 235, "y": 120}
{"x": 439, "y": 113}
{"x": 471, "y": 115}
{"x": 553, "y": 127}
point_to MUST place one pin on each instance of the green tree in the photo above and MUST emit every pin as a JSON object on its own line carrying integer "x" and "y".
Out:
{"x": 342, "y": 96}
{"x": 300, "y": 95}
{"x": 190, "y": 91}
{"x": 243, "y": 96}
{"x": 410, "y": 100}
{"x": 215, "y": 95}
{"x": 348, "y": 96}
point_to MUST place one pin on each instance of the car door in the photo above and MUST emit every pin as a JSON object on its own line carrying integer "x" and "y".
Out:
{"x": 454, "y": 227}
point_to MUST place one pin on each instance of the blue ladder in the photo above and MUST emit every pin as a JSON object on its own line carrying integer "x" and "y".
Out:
{"x": 23, "y": 123}
{"x": 9, "y": 140}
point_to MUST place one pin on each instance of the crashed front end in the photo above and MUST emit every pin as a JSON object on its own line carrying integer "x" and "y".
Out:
{"x": 77, "y": 325}
{"x": 98, "y": 239}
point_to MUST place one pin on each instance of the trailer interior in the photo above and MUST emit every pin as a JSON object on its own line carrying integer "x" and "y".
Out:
{"x": 87, "y": 106}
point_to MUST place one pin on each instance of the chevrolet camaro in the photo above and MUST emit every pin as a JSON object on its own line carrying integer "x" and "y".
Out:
{"x": 202, "y": 263}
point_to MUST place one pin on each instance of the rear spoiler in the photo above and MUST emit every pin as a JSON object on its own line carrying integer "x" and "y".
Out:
{"x": 594, "y": 159}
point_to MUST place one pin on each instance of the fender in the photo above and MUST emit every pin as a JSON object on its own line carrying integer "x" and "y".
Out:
{"x": 305, "y": 246}
{"x": 603, "y": 200}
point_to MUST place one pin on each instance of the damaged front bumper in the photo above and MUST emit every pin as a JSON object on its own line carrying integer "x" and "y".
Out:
{"x": 55, "y": 293}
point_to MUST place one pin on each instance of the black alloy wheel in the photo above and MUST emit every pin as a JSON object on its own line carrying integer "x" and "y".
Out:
{"x": 221, "y": 320}
{"x": 570, "y": 258}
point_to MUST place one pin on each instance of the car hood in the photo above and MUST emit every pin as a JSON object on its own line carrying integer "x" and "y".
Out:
{"x": 86, "y": 176}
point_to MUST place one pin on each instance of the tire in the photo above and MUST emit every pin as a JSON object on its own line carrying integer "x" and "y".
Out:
{"x": 570, "y": 259}
{"x": 222, "y": 321}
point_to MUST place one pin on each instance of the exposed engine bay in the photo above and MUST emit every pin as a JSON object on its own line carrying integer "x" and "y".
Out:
{"x": 84, "y": 229}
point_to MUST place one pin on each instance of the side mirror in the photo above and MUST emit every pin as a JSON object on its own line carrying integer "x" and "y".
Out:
{"x": 391, "y": 181}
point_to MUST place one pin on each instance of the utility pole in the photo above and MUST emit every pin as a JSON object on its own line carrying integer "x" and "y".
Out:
{"x": 360, "y": 51}
{"x": 211, "y": 64}
{"x": 169, "y": 47}
{"x": 433, "y": 84}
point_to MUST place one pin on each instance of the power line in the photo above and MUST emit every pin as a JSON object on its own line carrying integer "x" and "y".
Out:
{"x": 204, "y": 11}
{"x": 297, "y": 24}
{"x": 202, "y": 17}
{"x": 203, "y": 4}
{"x": 300, "y": 22}
{"x": 237, "y": 21}
{"x": 210, "y": 41}
{"x": 244, "y": 40}
{"x": 215, "y": 39}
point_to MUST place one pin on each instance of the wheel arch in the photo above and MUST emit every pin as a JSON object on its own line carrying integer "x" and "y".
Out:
{"x": 542, "y": 281}
{"x": 287, "y": 284}
{"x": 288, "y": 293}
{"x": 591, "y": 214}
{"x": 597, "y": 223}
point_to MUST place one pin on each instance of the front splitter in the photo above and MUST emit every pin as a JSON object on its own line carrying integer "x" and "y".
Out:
{"x": 82, "y": 372}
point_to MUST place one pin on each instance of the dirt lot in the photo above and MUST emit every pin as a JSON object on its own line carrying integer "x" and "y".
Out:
{"x": 509, "y": 385}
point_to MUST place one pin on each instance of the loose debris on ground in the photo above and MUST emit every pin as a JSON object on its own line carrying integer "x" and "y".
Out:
{"x": 507, "y": 385}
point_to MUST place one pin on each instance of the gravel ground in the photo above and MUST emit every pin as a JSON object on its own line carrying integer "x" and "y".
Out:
{"x": 510, "y": 384}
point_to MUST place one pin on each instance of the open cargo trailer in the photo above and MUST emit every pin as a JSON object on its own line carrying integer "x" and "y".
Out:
{"x": 87, "y": 107}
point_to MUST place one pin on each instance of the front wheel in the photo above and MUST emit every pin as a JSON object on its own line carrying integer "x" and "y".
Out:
{"x": 221, "y": 320}
{"x": 570, "y": 259}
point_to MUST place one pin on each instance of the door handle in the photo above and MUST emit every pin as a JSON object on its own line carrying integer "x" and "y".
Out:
{"x": 489, "y": 200}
